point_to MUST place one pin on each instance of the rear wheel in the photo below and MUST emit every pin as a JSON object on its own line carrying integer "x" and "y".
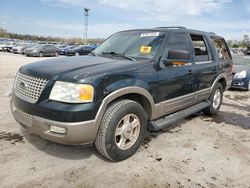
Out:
{"x": 215, "y": 100}
{"x": 40, "y": 54}
{"x": 76, "y": 53}
{"x": 122, "y": 130}
{"x": 56, "y": 54}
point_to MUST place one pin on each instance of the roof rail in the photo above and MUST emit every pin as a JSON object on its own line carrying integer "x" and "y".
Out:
{"x": 173, "y": 27}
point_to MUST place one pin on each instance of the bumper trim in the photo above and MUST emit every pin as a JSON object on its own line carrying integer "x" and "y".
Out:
{"x": 77, "y": 132}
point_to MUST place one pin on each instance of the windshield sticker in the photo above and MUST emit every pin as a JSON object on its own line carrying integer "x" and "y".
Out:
{"x": 145, "y": 49}
{"x": 152, "y": 34}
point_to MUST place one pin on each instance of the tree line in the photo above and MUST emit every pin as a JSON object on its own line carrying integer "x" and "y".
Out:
{"x": 75, "y": 40}
{"x": 238, "y": 44}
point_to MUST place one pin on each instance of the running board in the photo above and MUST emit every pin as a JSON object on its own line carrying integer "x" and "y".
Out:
{"x": 173, "y": 118}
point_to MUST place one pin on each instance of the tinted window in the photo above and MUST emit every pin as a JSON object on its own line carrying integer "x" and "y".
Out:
{"x": 200, "y": 48}
{"x": 178, "y": 41}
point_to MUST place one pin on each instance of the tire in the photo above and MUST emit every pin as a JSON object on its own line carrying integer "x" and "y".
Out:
{"x": 40, "y": 54}
{"x": 56, "y": 54}
{"x": 113, "y": 137}
{"x": 76, "y": 54}
{"x": 215, "y": 100}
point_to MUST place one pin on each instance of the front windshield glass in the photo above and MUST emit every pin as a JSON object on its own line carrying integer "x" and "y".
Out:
{"x": 133, "y": 44}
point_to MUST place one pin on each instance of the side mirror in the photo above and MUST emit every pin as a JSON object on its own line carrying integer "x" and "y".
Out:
{"x": 179, "y": 54}
{"x": 180, "y": 57}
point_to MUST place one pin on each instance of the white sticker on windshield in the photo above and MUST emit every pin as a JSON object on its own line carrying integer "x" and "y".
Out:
{"x": 152, "y": 34}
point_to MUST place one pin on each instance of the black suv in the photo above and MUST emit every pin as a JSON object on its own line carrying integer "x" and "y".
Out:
{"x": 135, "y": 80}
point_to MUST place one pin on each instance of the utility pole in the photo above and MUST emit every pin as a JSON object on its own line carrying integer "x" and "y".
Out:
{"x": 86, "y": 14}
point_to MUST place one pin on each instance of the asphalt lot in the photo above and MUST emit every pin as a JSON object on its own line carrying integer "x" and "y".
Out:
{"x": 199, "y": 151}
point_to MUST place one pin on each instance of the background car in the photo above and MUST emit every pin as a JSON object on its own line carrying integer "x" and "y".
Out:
{"x": 8, "y": 46}
{"x": 241, "y": 77}
{"x": 63, "y": 49}
{"x": 41, "y": 50}
{"x": 79, "y": 50}
{"x": 19, "y": 49}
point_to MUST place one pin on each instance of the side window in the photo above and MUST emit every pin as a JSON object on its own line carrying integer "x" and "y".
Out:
{"x": 46, "y": 47}
{"x": 179, "y": 48}
{"x": 221, "y": 48}
{"x": 200, "y": 48}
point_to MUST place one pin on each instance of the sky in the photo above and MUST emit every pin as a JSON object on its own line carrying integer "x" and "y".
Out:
{"x": 65, "y": 18}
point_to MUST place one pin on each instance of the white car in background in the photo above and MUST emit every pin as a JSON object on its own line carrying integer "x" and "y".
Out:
{"x": 2, "y": 45}
{"x": 8, "y": 46}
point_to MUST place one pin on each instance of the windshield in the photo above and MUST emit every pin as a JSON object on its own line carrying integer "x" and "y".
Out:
{"x": 134, "y": 44}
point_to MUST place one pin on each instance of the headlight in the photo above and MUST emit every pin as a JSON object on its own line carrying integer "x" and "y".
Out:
{"x": 72, "y": 93}
{"x": 34, "y": 50}
{"x": 241, "y": 74}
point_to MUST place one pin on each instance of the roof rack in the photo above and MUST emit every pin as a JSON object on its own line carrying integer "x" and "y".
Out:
{"x": 173, "y": 27}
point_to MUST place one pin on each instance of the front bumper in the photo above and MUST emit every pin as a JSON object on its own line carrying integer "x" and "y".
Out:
{"x": 76, "y": 132}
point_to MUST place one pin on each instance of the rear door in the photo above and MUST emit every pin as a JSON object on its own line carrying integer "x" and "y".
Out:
{"x": 205, "y": 67}
{"x": 46, "y": 51}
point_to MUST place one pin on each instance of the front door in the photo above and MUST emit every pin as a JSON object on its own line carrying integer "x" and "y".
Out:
{"x": 176, "y": 81}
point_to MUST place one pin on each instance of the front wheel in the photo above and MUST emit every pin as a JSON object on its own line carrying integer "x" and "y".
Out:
{"x": 122, "y": 130}
{"x": 215, "y": 100}
{"x": 77, "y": 54}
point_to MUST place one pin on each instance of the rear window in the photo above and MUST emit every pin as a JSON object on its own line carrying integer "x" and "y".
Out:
{"x": 200, "y": 48}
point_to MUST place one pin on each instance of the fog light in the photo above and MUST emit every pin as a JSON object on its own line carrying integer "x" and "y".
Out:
{"x": 55, "y": 129}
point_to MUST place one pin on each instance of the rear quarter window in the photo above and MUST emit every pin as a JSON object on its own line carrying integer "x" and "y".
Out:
{"x": 221, "y": 48}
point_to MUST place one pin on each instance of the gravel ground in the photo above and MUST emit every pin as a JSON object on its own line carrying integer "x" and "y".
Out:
{"x": 199, "y": 151}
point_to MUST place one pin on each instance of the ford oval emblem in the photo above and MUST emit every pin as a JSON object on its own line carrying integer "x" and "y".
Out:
{"x": 23, "y": 85}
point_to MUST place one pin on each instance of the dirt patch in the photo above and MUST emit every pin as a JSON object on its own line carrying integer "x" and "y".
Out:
{"x": 238, "y": 97}
{"x": 146, "y": 140}
{"x": 12, "y": 138}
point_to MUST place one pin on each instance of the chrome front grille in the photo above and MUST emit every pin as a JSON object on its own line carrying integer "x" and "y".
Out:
{"x": 29, "y": 88}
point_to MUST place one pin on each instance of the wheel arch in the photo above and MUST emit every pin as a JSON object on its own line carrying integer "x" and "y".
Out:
{"x": 138, "y": 94}
{"x": 222, "y": 80}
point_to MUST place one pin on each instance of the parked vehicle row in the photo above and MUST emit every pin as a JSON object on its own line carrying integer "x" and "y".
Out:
{"x": 40, "y": 49}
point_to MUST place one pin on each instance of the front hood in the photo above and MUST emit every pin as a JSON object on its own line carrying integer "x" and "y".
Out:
{"x": 239, "y": 68}
{"x": 18, "y": 48}
{"x": 73, "y": 69}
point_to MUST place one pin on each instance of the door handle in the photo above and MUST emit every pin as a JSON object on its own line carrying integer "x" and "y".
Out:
{"x": 189, "y": 72}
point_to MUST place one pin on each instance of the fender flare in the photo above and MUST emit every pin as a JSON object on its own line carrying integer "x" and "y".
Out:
{"x": 116, "y": 94}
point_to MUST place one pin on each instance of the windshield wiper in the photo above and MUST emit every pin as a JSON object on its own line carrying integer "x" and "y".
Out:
{"x": 92, "y": 53}
{"x": 119, "y": 55}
